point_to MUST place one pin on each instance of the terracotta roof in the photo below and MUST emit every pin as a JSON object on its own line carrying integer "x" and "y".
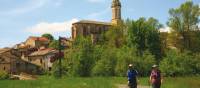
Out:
{"x": 38, "y": 38}
{"x": 43, "y": 52}
{"x": 92, "y": 22}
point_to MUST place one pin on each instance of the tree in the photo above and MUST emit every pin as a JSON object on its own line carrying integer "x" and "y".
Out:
{"x": 48, "y": 36}
{"x": 136, "y": 35}
{"x": 180, "y": 63}
{"x": 106, "y": 65}
{"x": 153, "y": 38}
{"x": 54, "y": 44}
{"x": 80, "y": 57}
{"x": 144, "y": 35}
{"x": 125, "y": 56}
{"x": 115, "y": 36}
{"x": 183, "y": 20}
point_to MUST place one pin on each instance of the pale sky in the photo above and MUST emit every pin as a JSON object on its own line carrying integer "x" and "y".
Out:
{"x": 20, "y": 19}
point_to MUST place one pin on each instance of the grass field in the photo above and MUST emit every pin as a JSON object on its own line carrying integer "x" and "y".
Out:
{"x": 96, "y": 82}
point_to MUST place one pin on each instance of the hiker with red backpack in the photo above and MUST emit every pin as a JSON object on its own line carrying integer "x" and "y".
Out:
{"x": 155, "y": 77}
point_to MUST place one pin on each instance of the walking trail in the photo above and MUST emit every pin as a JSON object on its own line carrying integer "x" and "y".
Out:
{"x": 125, "y": 86}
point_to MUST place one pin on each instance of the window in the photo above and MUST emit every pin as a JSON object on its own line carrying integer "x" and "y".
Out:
{"x": 17, "y": 65}
{"x": 4, "y": 68}
{"x": 2, "y": 59}
{"x": 84, "y": 31}
{"x": 29, "y": 59}
{"x": 49, "y": 68}
{"x": 41, "y": 61}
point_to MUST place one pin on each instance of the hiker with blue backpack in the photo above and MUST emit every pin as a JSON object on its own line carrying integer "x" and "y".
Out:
{"x": 155, "y": 77}
{"x": 132, "y": 77}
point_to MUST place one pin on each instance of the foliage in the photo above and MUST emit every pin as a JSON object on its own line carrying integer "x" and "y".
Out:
{"x": 183, "y": 21}
{"x": 138, "y": 42}
{"x": 3, "y": 75}
{"x": 177, "y": 63}
{"x": 144, "y": 35}
{"x": 125, "y": 56}
{"x": 106, "y": 65}
{"x": 115, "y": 36}
{"x": 55, "y": 44}
{"x": 56, "y": 68}
{"x": 48, "y": 36}
{"x": 81, "y": 58}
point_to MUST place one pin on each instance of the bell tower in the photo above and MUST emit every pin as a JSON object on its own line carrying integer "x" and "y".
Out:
{"x": 116, "y": 12}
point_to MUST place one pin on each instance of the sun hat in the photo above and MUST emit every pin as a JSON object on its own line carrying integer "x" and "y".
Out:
{"x": 154, "y": 66}
{"x": 130, "y": 65}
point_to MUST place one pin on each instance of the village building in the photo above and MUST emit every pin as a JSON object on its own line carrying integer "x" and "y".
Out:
{"x": 95, "y": 28}
{"x": 12, "y": 64}
{"x": 36, "y": 42}
{"x": 43, "y": 58}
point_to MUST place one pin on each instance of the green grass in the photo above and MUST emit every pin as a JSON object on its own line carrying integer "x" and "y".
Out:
{"x": 96, "y": 82}
{"x": 49, "y": 82}
{"x": 178, "y": 82}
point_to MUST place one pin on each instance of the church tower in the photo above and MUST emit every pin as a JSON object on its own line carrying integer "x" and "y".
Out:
{"x": 116, "y": 12}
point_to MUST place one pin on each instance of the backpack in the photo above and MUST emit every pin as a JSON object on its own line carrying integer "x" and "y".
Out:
{"x": 156, "y": 76}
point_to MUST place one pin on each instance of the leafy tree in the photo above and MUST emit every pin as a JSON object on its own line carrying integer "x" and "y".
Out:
{"x": 179, "y": 63}
{"x": 153, "y": 38}
{"x": 56, "y": 70}
{"x": 106, "y": 65}
{"x": 183, "y": 20}
{"x": 80, "y": 58}
{"x": 144, "y": 35}
{"x": 48, "y": 36}
{"x": 54, "y": 44}
{"x": 136, "y": 35}
{"x": 125, "y": 56}
{"x": 115, "y": 36}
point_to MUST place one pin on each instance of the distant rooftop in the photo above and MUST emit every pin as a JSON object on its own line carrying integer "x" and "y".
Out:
{"x": 43, "y": 52}
{"x": 92, "y": 22}
{"x": 38, "y": 38}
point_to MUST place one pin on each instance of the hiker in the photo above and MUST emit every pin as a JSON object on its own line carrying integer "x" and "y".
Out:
{"x": 132, "y": 77}
{"x": 155, "y": 77}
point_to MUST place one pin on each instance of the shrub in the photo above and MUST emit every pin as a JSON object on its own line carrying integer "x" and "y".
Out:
{"x": 3, "y": 75}
{"x": 125, "y": 56}
{"x": 106, "y": 65}
{"x": 179, "y": 63}
{"x": 56, "y": 69}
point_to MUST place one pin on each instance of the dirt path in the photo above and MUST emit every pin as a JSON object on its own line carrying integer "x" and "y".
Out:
{"x": 125, "y": 86}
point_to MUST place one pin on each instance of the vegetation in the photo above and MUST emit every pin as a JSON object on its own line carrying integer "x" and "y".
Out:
{"x": 180, "y": 64}
{"x": 48, "y": 36}
{"x": 96, "y": 82}
{"x": 3, "y": 75}
{"x": 184, "y": 22}
{"x": 138, "y": 42}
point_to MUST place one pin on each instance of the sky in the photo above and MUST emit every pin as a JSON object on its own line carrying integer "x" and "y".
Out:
{"x": 20, "y": 19}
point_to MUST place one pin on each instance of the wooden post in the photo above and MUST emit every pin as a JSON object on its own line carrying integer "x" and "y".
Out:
{"x": 60, "y": 64}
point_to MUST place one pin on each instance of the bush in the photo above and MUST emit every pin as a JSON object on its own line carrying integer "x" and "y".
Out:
{"x": 56, "y": 69}
{"x": 179, "y": 63}
{"x": 3, "y": 75}
{"x": 106, "y": 65}
{"x": 125, "y": 56}
{"x": 144, "y": 63}
{"x": 80, "y": 58}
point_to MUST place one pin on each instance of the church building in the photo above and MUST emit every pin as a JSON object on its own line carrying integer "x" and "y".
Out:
{"x": 96, "y": 28}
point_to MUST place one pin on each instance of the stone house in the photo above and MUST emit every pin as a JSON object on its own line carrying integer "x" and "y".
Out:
{"x": 43, "y": 58}
{"x": 37, "y": 42}
{"x": 12, "y": 64}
